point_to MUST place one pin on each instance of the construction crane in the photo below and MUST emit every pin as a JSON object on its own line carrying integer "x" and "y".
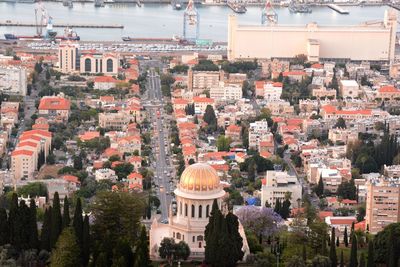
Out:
{"x": 191, "y": 18}
{"x": 268, "y": 14}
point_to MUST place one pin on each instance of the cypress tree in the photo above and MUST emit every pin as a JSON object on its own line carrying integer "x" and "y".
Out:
{"x": 370, "y": 262}
{"x": 225, "y": 257}
{"x": 285, "y": 211}
{"x": 345, "y": 237}
{"x": 332, "y": 249}
{"x": 22, "y": 227}
{"x": 101, "y": 260}
{"x": 86, "y": 241}
{"x": 337, "y": 241}
{"x": 33, "y": 235}
{"x": 341, "y": 259}
{"x": 362, "y": 260}
{"x": 46, "y": 230}
{"x": 304, "y": 253}
{"x": 212, "y": 234}
{"x": 232, "y": 222}
{"x": 278, "y": 208}
{"x": 66, "y": 220}
{"x": 4, "y": 230}
{"x": 142, "y": 250}
{"x": 56, "y": 220}
{"x": 353, "y": 253}
{"x": 392, "y": 260}
{"x": 13, "y": 218}
{"x": 78, "y": 221}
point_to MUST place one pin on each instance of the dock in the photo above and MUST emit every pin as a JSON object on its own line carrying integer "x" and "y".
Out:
{"x": 93, "y": 26}
{"x": 338, "y": 9}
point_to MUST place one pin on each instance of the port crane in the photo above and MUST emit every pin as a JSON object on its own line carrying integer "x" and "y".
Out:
{"x": 268, "y": 14}
{"x": 43, "y": 18}
{"x": 191, "y": 18}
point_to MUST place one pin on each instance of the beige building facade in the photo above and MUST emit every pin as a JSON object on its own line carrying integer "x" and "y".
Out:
{"x": 67, "y": 57}
{"x": 372, "y": 41}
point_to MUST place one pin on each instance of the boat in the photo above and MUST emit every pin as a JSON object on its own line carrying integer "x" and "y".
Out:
{"x": 126, "y": 39}
{"x": 237, "y": 6}
{"x": 99, "y": 3}
{"x": 176, "y": 4}
{"x": 10, "y": 36}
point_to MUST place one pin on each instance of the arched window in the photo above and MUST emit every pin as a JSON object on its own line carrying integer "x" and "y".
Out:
{"x": 200, "y": 211}
{"x": 88, "y": 65}
{"x": 194, "y": 239}
{"x": 208, "y": 211}
{"x": 186, "y": 210}
{"x": 178, "y": 236}
{"x": 192, "y": 211}
{"x": 180, "y": 207}
{"x": 110, "y": 65}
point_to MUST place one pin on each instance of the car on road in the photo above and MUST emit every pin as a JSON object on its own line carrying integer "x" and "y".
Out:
{"x": 164, "y": 221}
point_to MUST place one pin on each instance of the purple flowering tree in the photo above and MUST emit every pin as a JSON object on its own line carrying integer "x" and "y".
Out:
{"x": 261, "y": 221}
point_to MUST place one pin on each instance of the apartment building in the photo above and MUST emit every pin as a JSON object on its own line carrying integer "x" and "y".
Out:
{"x": 323, "y": 92}
{"x": 270, "y": 91}
{"x": 277, "y": 185}
{"x": 201, "y": 103}
{"x": 68, "y": 57}
{"x": 342, "y": 135}
{"x": 349, "y": 88}
{"x": 54, "y": 108}
{"x": 115, "y": 121}
{"x": 225, "y": 92}
{"x": 198, "y": 81}
{"x": 383, "y": 203}
{"x": 13, "y": 80}
{"x": 258, "y": 131}
{"x": 392, "y": 171}
{"x": 388, "y": 92}
{"x": 22, "y": 164}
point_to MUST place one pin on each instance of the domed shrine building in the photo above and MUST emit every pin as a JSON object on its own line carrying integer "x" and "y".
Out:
{"x": 198, "y": 187}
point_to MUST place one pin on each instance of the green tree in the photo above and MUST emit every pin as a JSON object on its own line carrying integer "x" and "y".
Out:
{"x": 166, "y": 249}
{"x": 353, "y": 253}
{"x": 56, "y": 220}
{"x": 345, "y": 237}
{"x": 78, "y": 164}
{"x": 370, "y": 262}
{"x": 212, "y": 233}
{"x": 4, "y": 227}
{"x": 223, "y": 143}
{"x": 66, "y": 220}
{"x": 142, "y": 250}
{"x": 341, "y": 259}
{"x": 340, "y": 123}
{"x": 33, "y": 227}
{"x": 77, "y": 222}
{"x": 13, "y": 219}
{"x": 385, "y": 242}
{"x": 236, "y": 241}
{"x": 319, "y": 189}
{"x": 347, "y": 190}
{"x": 86, "y": 241}
{"x": 362, "y": 260}
{"x": 67, "y": 251}
{"x": 337, "y": 241}
{"x": 45, "y": 234}
{"x": 332, "y": 249}
{"x": 210, "y": 118}
{"x": 285, "y": 210}
{"x": 182, "y": 251}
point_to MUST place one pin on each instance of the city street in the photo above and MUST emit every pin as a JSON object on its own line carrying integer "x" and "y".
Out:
{"x": 163, "y": 170}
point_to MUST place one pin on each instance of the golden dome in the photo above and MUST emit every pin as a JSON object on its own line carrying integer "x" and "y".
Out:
{"x": 199, "y": 177}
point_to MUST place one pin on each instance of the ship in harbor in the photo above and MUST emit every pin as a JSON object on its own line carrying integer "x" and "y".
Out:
{"x": 299, "y": 8}
{"x": 237, "y": 6}
{"x": 176, "y": 4}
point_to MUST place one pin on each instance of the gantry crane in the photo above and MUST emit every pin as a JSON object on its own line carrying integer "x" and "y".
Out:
{"x": 269, "y": 15}
{"x": 191, "y": 18}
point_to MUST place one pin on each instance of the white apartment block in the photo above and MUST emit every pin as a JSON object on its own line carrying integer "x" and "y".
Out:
{"x": 258, "y": 131}
{"x": 13, "y": 80}
{"x": 392, "y": 171}
{"x": 226, "y": 92}
{"x": 277, "y": 184}
{"x": 104, "y": 174}
{"x": 349, "y": 88}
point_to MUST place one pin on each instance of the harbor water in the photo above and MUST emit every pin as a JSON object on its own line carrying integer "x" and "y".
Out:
{"x": 162, "y": 21}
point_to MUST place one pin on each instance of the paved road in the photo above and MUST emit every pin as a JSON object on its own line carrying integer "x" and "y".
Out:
{"x": 157, "y": 118}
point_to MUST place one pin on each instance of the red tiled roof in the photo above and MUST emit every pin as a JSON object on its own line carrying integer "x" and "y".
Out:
{"x": 199, "y": 99}
{"x": 54, "y": 103}
{"x": 21, "y": 152}
{"x": 347, "y": 221}
{"x": 71, "y": 178}
{"x": 293, "y": 73}
{"x": 104, "y": 79}
{"x": 27, "y": 143}
{"x": 89, "y": 136}
{"x": 388, "y": 89}
{"x": 135, "y": 175}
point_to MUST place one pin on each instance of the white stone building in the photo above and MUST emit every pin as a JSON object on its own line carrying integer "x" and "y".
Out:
{"x": 13, "y": 80}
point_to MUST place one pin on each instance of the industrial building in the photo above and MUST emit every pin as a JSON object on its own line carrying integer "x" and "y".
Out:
{"x": 372, "y": 41}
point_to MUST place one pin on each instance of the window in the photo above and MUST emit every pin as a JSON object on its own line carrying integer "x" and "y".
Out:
{"x": 110, "y": 65}
{"x": 178, "y": 236}
{"x": 200, "y": 211}
{"x": 173, "y": 234}
{"x": 88, "y": 65}
{"x": 180, "y": 207}
{"x": 199, "y": 238}
{"x": 207, "y": 211}
{"x": 192, "y": 211}
{"x": 186, "y": 210}
{"x": 194, "y": 239}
